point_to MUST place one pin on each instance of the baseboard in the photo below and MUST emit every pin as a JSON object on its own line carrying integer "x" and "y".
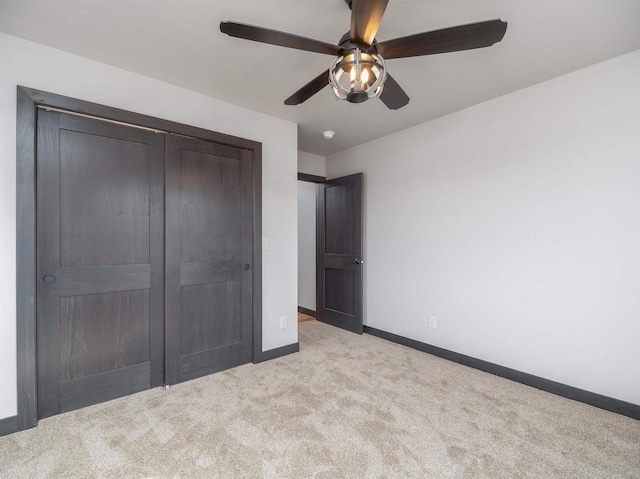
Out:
{"x": 603, "y": 402}
{"x": 308, "y": 312}
{"x": 8, "y": 425}
{"x": 277, "y": 352}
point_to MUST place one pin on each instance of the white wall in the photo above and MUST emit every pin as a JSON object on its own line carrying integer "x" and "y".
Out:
{"x": 311, "y": 164}
{"x": 517, "y": 224}
{"x": 32, "y": 65}
{"x": 307, "y": 245}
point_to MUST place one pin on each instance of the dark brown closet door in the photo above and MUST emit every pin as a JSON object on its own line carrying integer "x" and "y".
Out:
{"x": 99, "y": 261}
{"x": 209, "y": 211}
{"x": 339, "y": 252}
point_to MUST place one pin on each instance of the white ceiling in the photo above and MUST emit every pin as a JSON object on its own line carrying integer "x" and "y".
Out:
{"x": 179, "y": 42}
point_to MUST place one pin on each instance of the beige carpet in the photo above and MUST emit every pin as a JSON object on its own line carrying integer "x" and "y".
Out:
{"x": 345, "y": 406}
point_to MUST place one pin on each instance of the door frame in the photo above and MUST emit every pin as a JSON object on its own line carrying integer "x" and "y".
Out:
{"x": 28, "y": 100}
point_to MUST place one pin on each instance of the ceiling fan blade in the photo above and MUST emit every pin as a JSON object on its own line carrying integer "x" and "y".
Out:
{"x": 366, "y": 16}
{"x": 463, "y": 37}
{"x": 274, "y": 37}
{"x": 310, "y": 89}
{"x": 393, "y": 95}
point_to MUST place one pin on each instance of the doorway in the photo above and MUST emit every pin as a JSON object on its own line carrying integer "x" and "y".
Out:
{"x": 307, "y": 203}
{"x": 330, "y": 263}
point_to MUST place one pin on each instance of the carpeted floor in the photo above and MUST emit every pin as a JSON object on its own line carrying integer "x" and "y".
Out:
{"x": 346, "y": 406}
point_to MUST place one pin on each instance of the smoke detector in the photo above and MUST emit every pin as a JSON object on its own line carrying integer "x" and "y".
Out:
{"x": 328, "y": 135}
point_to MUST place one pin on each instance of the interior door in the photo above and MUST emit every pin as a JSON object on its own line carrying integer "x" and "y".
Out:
{"x": 99, "y": 261}
{"x": 339, "y": 258}
{"x": 209, "y": 210}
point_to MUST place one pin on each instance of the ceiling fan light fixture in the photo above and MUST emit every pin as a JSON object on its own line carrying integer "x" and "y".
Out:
{"x": 356, "y": 76}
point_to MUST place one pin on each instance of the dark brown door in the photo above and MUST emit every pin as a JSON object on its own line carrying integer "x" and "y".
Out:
{"x": 339, "y": 246}
{"x": 209, "y": 211}
{"x": 99, "y": 261}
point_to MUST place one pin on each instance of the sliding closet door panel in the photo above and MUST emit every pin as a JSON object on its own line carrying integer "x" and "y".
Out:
{"x": 100, "y": 248}
{"x": 208, "y": 257}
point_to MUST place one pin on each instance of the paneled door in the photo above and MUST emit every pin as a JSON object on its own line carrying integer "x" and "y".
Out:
{"x": 209, "y": 246}
{"x": 100, "y": 312}
{"x": 339, "y": 252}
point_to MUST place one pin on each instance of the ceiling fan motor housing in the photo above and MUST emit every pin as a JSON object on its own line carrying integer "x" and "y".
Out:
{"x": 357, "y": 97}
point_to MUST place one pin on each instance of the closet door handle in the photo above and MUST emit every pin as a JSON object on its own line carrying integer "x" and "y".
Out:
{"x": 247, "y": 267}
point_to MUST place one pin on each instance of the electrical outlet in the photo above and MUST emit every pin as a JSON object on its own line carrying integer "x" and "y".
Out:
{"x": 433, "y": 322}
{"x": 283, "y": 322}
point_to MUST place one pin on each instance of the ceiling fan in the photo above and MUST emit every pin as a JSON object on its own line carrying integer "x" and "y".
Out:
{"x": 359, "y": 71}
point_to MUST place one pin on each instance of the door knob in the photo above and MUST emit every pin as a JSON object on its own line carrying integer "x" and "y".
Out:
{"x": 48, "y": 279}
{"x": 358, "y": 261}
{"x": 247, "y": 267}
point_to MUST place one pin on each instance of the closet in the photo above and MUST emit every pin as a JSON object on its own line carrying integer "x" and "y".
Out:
{"x": 144, "y": 265}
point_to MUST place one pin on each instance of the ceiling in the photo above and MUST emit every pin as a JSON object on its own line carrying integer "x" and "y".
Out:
{"x": 179, "y": 42}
